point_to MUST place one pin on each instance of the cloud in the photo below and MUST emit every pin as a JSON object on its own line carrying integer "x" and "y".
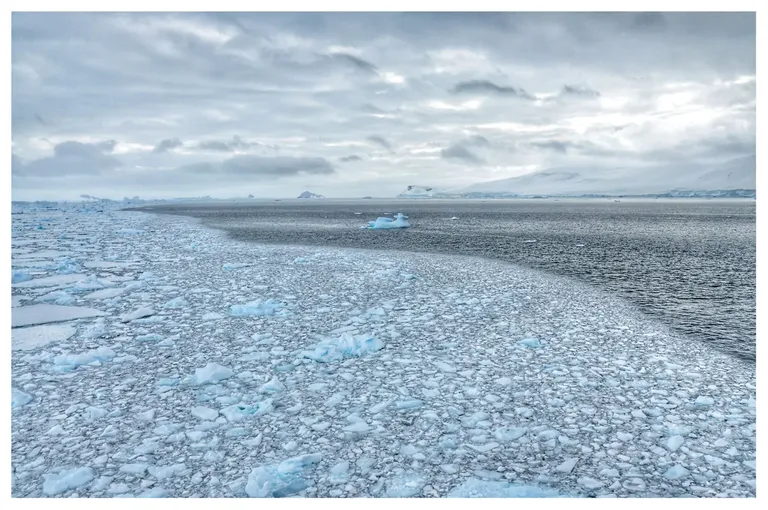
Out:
{"x": 281, "y": 166}
{"x": 488, "y": 87}
{"x": 381, "y": 141}
{"x": 166, "y": 145}
{"x": 70, "y": 158}
{"x": 579, "y": 91}
{"x": 605, "y": 89}
{"x": 347, "y": 159}
{"x": 236, "y": 143}
{"x": 460, "y": 152}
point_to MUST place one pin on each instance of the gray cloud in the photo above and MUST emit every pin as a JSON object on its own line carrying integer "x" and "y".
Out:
{"x": 489, "y": 87}
{"x": 381, "y": 141}
{"x": 70, "y": 158}
{"x": 347, "y": 159}
{"x": 460, "y": 152}
{"x": 166, "y": 145}
{"x": 580, "y": 91}
{"x": 276, "y": 166}
{"x": 674, "y": 88}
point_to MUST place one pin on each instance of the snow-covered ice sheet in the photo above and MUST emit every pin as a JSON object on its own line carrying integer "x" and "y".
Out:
{"x": 443, "y": 376}
{"x": 44, "y": 313}
{"x": 32, "y": 337}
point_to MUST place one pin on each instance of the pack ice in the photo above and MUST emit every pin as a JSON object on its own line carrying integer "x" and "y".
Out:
{"x": 400, "y": 221}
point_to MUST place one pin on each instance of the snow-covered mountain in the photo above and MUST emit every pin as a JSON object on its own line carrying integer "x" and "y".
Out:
{"x": 308, "y": 194}
{"x": 673, "y": 180}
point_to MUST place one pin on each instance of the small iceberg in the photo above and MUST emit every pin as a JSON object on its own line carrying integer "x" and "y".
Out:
{"x": 400, "y": 221}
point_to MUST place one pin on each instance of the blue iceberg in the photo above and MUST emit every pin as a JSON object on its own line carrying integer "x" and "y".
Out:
{"x": 346, "y": 346}
{"x": 400, "y": 221}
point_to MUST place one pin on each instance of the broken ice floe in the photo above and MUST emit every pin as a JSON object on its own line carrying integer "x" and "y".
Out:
{"x": 400, "y": 221}
{"x": 475, "y": 488}
{"x": 19, "y": 398}
{"x": 346, "y": 346}
{"x": 42, "y": 314}
{"x": 32, "y": 337}
{"x": 280, "y": 480}
{"x": 64, "y": 480}
{"x": 69, "y": 362}
{"x": 257, "y": 308}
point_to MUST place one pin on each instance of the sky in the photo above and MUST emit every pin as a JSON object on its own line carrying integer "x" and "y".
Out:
{"x": 354, "y": 104}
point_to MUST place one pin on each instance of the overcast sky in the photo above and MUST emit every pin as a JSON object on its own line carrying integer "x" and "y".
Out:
{"x": 162, "y": 105}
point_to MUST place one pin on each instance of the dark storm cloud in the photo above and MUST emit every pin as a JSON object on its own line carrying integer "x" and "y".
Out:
{"x": 166, "y": 145}
{"x": 461, "y": 153}
{"x": 355, "y": 62}
{"x": 488, "y": 87}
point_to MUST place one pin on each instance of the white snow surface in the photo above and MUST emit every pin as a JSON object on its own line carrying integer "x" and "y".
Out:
{"x": 44, "y": 313}
{"x": 456, "y": 400}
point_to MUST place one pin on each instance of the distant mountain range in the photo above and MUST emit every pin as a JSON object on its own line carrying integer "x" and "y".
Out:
{"x": 734, "y": 178}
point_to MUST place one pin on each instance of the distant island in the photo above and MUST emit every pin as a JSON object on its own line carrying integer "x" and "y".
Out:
{"x": 308, "y": 194}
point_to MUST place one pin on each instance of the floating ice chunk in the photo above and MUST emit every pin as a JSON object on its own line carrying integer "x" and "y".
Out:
{"x": 19, "y": 398}
{"x": 212, "y": 316}
{"x": 280, "y": 480}
{"x": 177, "y": 302}
{"x": 56, "y": 483}
{"x": 205, "y": 413}
{"x": 92, "y": 414}
{"x": 57, "y": 297}
{"x": 267, "y": 307}
{"x": 406, "y": 485}
{"x": 25, "y": 339}
{"x": 400, "y": 221}
{"x": 675, "y": 442}
{"x": 359, "y": 427}
{"x": 704, "y": 401}
{"x": 301, "y": 260}
{"x": 152, "y": 337}
{"x": 49, "y": 281}
{"x": 408, "y": 404}
{"x": 211, "y": 373}
{"x": 445, "y": 367}
{"x": 43, "y": 314}
{"x": 72, "y": 361}
{"x": 154, "y": 492}
{"x": 272, "y": 386}
{"x": 145, "y": 311}
{"x": 474, "y": 488}
{"x": 339, "y": 473}
{"x": 96, "y": 330}
{"x": 530, "y": 342}
{"x": 567, "y": 466}
{"x": 676, "y": 472}
{"x": 589, "y": 483}
{"x": 20, "y": 276}
{"x": 239, "y": 412}
{"x": 346, "y": 346}
{"x": 508, "y": 434}
{"x": 134, "y": 469}
{"x": 530, "y": 241}
{"x": 233, "y": 266}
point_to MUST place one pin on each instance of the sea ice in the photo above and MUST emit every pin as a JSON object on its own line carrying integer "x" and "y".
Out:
{"x": 280, "y": 480}
{"x": 49, "y": 281}
{"x": 177, "y": 302}
{"x": 675, "y": 442}
{"x": 69, "y": 362}
{"x": 56, "y": 483}
{"x": 676, "y": 472}
{"x": 267, "y": 307}
{"x": 704, "y": 401}
{"x": 20, "y": 276}
{"x": 19, "y": 398}
{"x": 567, "y": 466}
{"x": 57, "y": 297}
{"x": 25, "y": 339}
{"x": 346, "y": 346}
{"x": 508, "y": 434}
{"x": 406, "y": 485}
{"x": 530, "y": 342}
{"x": 145, "y": 311}
{"x": 400, "y": 221}
{"x": 205, "y": 413}
{"x": 43, "y": 314}
{"x": 339, "y": 473}
{"x": 211, "y": 373}
{"x": 154, "y": 492}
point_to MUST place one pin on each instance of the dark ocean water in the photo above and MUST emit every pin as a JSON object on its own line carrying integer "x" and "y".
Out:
{"x": 688, "y": 263}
